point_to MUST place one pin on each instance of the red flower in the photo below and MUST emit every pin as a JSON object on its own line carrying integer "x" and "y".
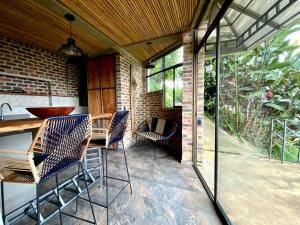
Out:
{"x": 269, "y": 95}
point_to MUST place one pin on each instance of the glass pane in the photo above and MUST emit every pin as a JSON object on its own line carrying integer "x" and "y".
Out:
{"x": 169, "y": 87}
{"x": 178, "y": 86}
{"x": 158, "y": 66}
{"x": 155, "y": 83}
{"x": 206, "y": 121}
{"x": 174, "y": 58}
{"x": 258, "y": 179}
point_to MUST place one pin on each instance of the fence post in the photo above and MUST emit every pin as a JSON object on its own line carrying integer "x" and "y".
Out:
{"x": 271, "y": 139}
{"x": 284, "y": 141}
{"x": 299, "y": 151}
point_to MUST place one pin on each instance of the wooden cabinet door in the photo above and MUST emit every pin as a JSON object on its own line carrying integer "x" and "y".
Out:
{"x": 107, "y": 67}
{"x": 94, "y": 98}
{"x": 109, "y": 98}
{"x": 101, "y": 85}
{"x": 94, "y": 74}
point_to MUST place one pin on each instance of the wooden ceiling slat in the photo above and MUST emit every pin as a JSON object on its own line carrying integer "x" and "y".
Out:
{"x": 142, "y": 51}
{"x": 136, "y": 20}
{"x": 28, "y": 22}
{"x": 122, "y": 22}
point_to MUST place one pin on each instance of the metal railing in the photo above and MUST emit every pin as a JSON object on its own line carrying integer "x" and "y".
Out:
{"x": 283, "y": 139}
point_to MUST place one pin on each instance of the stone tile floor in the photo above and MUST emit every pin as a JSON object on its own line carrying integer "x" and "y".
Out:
{"x": 165, "y": 192}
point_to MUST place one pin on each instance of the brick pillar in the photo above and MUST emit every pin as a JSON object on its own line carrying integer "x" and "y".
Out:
{"x": 200, "y": 95}
{"x": 187, "y": 101}
{"x": 123, "y": 91}
{"x": 123, "y": 65}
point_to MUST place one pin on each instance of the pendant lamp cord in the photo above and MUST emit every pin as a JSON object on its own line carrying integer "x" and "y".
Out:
{"x": 70, "y": 29}
{"x": 149, "y": 51}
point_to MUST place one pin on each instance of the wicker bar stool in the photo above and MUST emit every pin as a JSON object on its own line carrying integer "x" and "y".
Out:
{"x": 60, "y": 143}
{"x": 113, "y": 135}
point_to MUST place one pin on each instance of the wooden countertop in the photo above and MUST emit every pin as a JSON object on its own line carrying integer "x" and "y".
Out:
{"x": 7, "y": 126}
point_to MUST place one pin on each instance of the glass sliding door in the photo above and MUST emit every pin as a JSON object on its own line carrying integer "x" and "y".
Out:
{"x": 247, "y": 115}
{"x": 258, "y": 175}
{"x": 205, "y": 125}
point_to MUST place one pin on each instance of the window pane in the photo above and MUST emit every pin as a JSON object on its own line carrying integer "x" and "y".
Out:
{"x": 158, "y": 66}
{"x": 260, "y": 119}
{"x": 174, "y": 57}
{"x": 205, "y": 136}
{"x": 178, "y": 86}
{"x": 155, "y": 83}
{"x": 169, "y": 87}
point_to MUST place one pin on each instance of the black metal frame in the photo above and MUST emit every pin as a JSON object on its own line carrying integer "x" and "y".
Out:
{"x": 105, "y": 181}
{"x": 41, "y": 198}
{"x": 160, "y": 142}
{"x": 265, "y": 19}
{"x": 218, "y": 17}
{"x": 212, "y": 195}
{"x": 163, "y": 70}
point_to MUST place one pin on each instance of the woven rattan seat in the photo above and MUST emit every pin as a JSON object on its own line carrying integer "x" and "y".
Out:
{"x": 60, "y": 143}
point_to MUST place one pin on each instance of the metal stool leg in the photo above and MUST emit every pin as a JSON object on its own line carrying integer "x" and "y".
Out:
{"x": 38, "y": 204}
{"x": 58, "y": 202}
{"x": 127, "y": 167}
{"x": 2, "y": 203}
{"x": 99, "y": 161}
{"x": 88, "y": 193}
{"x": 106, "y": 187}
{"x": 102, "y": 159}
{"x": 77, "y": 189}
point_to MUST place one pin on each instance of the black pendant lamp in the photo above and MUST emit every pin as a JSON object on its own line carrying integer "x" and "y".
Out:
{"x": 70, "y": 49}
{"x": 149, "y": 64}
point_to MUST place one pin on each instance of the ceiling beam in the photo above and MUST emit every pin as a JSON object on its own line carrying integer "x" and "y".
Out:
{"x": 253, "y": 15}
{"x": 226, "y": 18}
{"x": 79, "y": 22}
{"x": 172, "y": 37}
{"x": 165, "y": 51}
{"x": 202, "y": 8}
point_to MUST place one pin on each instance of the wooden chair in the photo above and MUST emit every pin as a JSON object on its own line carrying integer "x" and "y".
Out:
{"x": 60, "y": 143}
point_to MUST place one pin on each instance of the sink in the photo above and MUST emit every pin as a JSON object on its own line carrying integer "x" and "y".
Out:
{"x": 16, "y": 116}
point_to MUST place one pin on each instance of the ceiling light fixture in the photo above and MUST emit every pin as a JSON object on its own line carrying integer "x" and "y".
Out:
{"x": 70, "y": 49}
{"x": 149, "y": 64}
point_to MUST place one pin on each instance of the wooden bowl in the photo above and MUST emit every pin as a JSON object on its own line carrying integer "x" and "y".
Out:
{"x": 45, "y": 112}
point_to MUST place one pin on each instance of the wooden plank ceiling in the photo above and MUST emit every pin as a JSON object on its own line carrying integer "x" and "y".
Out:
{"x": 124, "y": 22}
{"x": 28, "y": 22}
{"x": 132, "y": 21}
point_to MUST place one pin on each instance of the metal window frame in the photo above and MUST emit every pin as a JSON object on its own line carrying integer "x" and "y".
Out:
{"x": 261, "y": 21}
{"x": 162, "y": 71}
{"x": 212, "y": 195}
{"x": 265, "y": 19}
{"x": 173, "y": 68}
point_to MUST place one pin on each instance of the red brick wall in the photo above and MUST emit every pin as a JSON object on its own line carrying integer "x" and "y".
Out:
{"x": 123, "y": 66}
{"x": 147, "y": 105}
{"x": 19, "y": 60}
{"x": 155, "y": 108}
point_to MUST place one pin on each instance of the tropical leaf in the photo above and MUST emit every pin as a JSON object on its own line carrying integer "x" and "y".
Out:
{"x": 275, "y": 106}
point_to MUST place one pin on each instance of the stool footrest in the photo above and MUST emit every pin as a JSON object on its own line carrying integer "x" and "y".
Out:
{"x": 79, "y": 218}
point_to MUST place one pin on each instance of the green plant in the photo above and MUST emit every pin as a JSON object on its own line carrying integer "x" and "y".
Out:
{"x": 256, "y": 86}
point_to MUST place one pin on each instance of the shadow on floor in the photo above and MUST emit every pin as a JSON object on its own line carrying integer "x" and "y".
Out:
{"x": 165, "y": 192}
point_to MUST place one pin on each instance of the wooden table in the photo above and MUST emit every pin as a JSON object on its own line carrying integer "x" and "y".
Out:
{"x": 7, "y": 126}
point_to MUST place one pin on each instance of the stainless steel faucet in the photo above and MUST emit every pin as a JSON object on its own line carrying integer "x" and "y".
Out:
{"x": 1, "y": 110}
